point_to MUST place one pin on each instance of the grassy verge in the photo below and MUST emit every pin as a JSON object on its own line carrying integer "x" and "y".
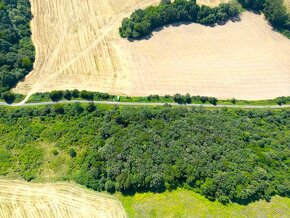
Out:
{"x": 182, "y": 99}
{"x": 185, "y": 203}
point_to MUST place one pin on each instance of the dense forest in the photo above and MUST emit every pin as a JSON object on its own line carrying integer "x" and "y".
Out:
{"x": 274, "y": 10}
{"x": 225, "y": 154}
{"x": 16, "y": 48}
{"x": 142, "y": 22}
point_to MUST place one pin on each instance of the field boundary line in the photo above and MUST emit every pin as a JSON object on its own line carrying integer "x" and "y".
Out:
{"x": 23, "y": 104}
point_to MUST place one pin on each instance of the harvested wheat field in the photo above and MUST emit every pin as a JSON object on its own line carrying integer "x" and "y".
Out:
{"x": 245, "y": 60}
{"x": 78, "y": 46}
{"x": 287, "y": 4}
{"x": 22, "y": 199}
{"x": 73, "y": 41}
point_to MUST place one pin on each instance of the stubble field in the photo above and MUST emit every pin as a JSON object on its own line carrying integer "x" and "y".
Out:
{"x": 22, "y": 199}
{"x": 78, "y": 46}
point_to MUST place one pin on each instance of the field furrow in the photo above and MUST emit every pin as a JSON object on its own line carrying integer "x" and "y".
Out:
{"x": 21, "y": 199}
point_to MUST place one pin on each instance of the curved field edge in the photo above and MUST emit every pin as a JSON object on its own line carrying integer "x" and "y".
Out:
{"x": 23, "y": 199}
{"x": 98, "y": 63}
{"x": 186, "y": 203}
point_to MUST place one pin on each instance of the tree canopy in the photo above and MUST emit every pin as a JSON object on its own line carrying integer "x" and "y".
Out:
{"x": 16, "y": 48}
{"x": 225, "y": 154}
{"x": 142, "y": 22}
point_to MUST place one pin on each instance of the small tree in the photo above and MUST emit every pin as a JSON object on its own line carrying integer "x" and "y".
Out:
{"x": 281, "y": 100}
{"x": 213, "y": 100}
{"x": 8, "y": 97}
{"x": 178, "y": 98}
{"x": 87, "y": 95}
{"x": 58, "y": 109}
{"x": 75, "y": 93}
{"x": 188, "y": 99}
{"x": 72, "y": 153}
{"x": 233, "y": 101}
{"x": 67, "y": 95}
{"x": 55, "y": 152}
{"x": 55, "y": 95}
{"x": 203, "y": 99}
{"x": 91, "y": 107}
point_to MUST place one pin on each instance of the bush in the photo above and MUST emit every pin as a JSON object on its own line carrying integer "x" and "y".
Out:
{"x": 233, "y": 101}
{"x": 8, "y": 97}
{"x": 72, "y": 153}
{"x": 153, "y": 97}
{"x": 188, "y": 99}
{"x": 213, "y": 100}
{"x": 203, "y": 99}
{"x": 87, "y": 95}
{"x": 91, "y": 107}
{"x": 67, "y": 95}
{"x": 56, "y": 95}
{"x": 178, "y": 98}
{"x": 55, "y": 152}
{"x": 58, "y": 109}
{"x": 281, "y": 100}
{"x": 75, "y": 93}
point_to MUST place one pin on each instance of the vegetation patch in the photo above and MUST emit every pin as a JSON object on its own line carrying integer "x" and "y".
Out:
{"x": 230, "y": 155}
{"x": 177, "y": 98}
{"x": 16, "y": 47}
{"x": 185, "y": 203}
{"x": 142, "y": 22}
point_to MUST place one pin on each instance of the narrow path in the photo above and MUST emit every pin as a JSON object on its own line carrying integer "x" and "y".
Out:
{"x": 23, "y": 104}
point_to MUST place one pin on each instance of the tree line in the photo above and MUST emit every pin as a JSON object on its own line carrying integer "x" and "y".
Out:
{"x": 275, "y": 12}
{"x": 224, "y": 154}
{"x": 16, "y": 47}
{"x": 142, "y": 22}
{"x": 75, "y": 94}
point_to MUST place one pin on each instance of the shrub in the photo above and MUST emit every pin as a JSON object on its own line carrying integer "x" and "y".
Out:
{"x": 91, "y": 107}
{"x": 58, "y": 109}
{"x": 178, "y": 98}
{"x": 188, "y": 99}
{"x": 87, "y": 95}
{"x": 72, "y": 153}
{"x": 67, "y": 95}
{"x": 56, "y": 95}
{"x": 203, "y": 99}
{"x": 213, "y": 100}
{"x": 8, "y": 97}
{"x": 75, "y": 93}
{"x": 55, "y": 152}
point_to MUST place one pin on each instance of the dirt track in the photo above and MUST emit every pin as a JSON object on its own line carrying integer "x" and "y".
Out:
{"x": 78, "y": 46}
{"x": 22, "y": 199}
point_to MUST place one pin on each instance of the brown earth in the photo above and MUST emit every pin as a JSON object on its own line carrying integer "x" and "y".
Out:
{"x": 78, "y": 46}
